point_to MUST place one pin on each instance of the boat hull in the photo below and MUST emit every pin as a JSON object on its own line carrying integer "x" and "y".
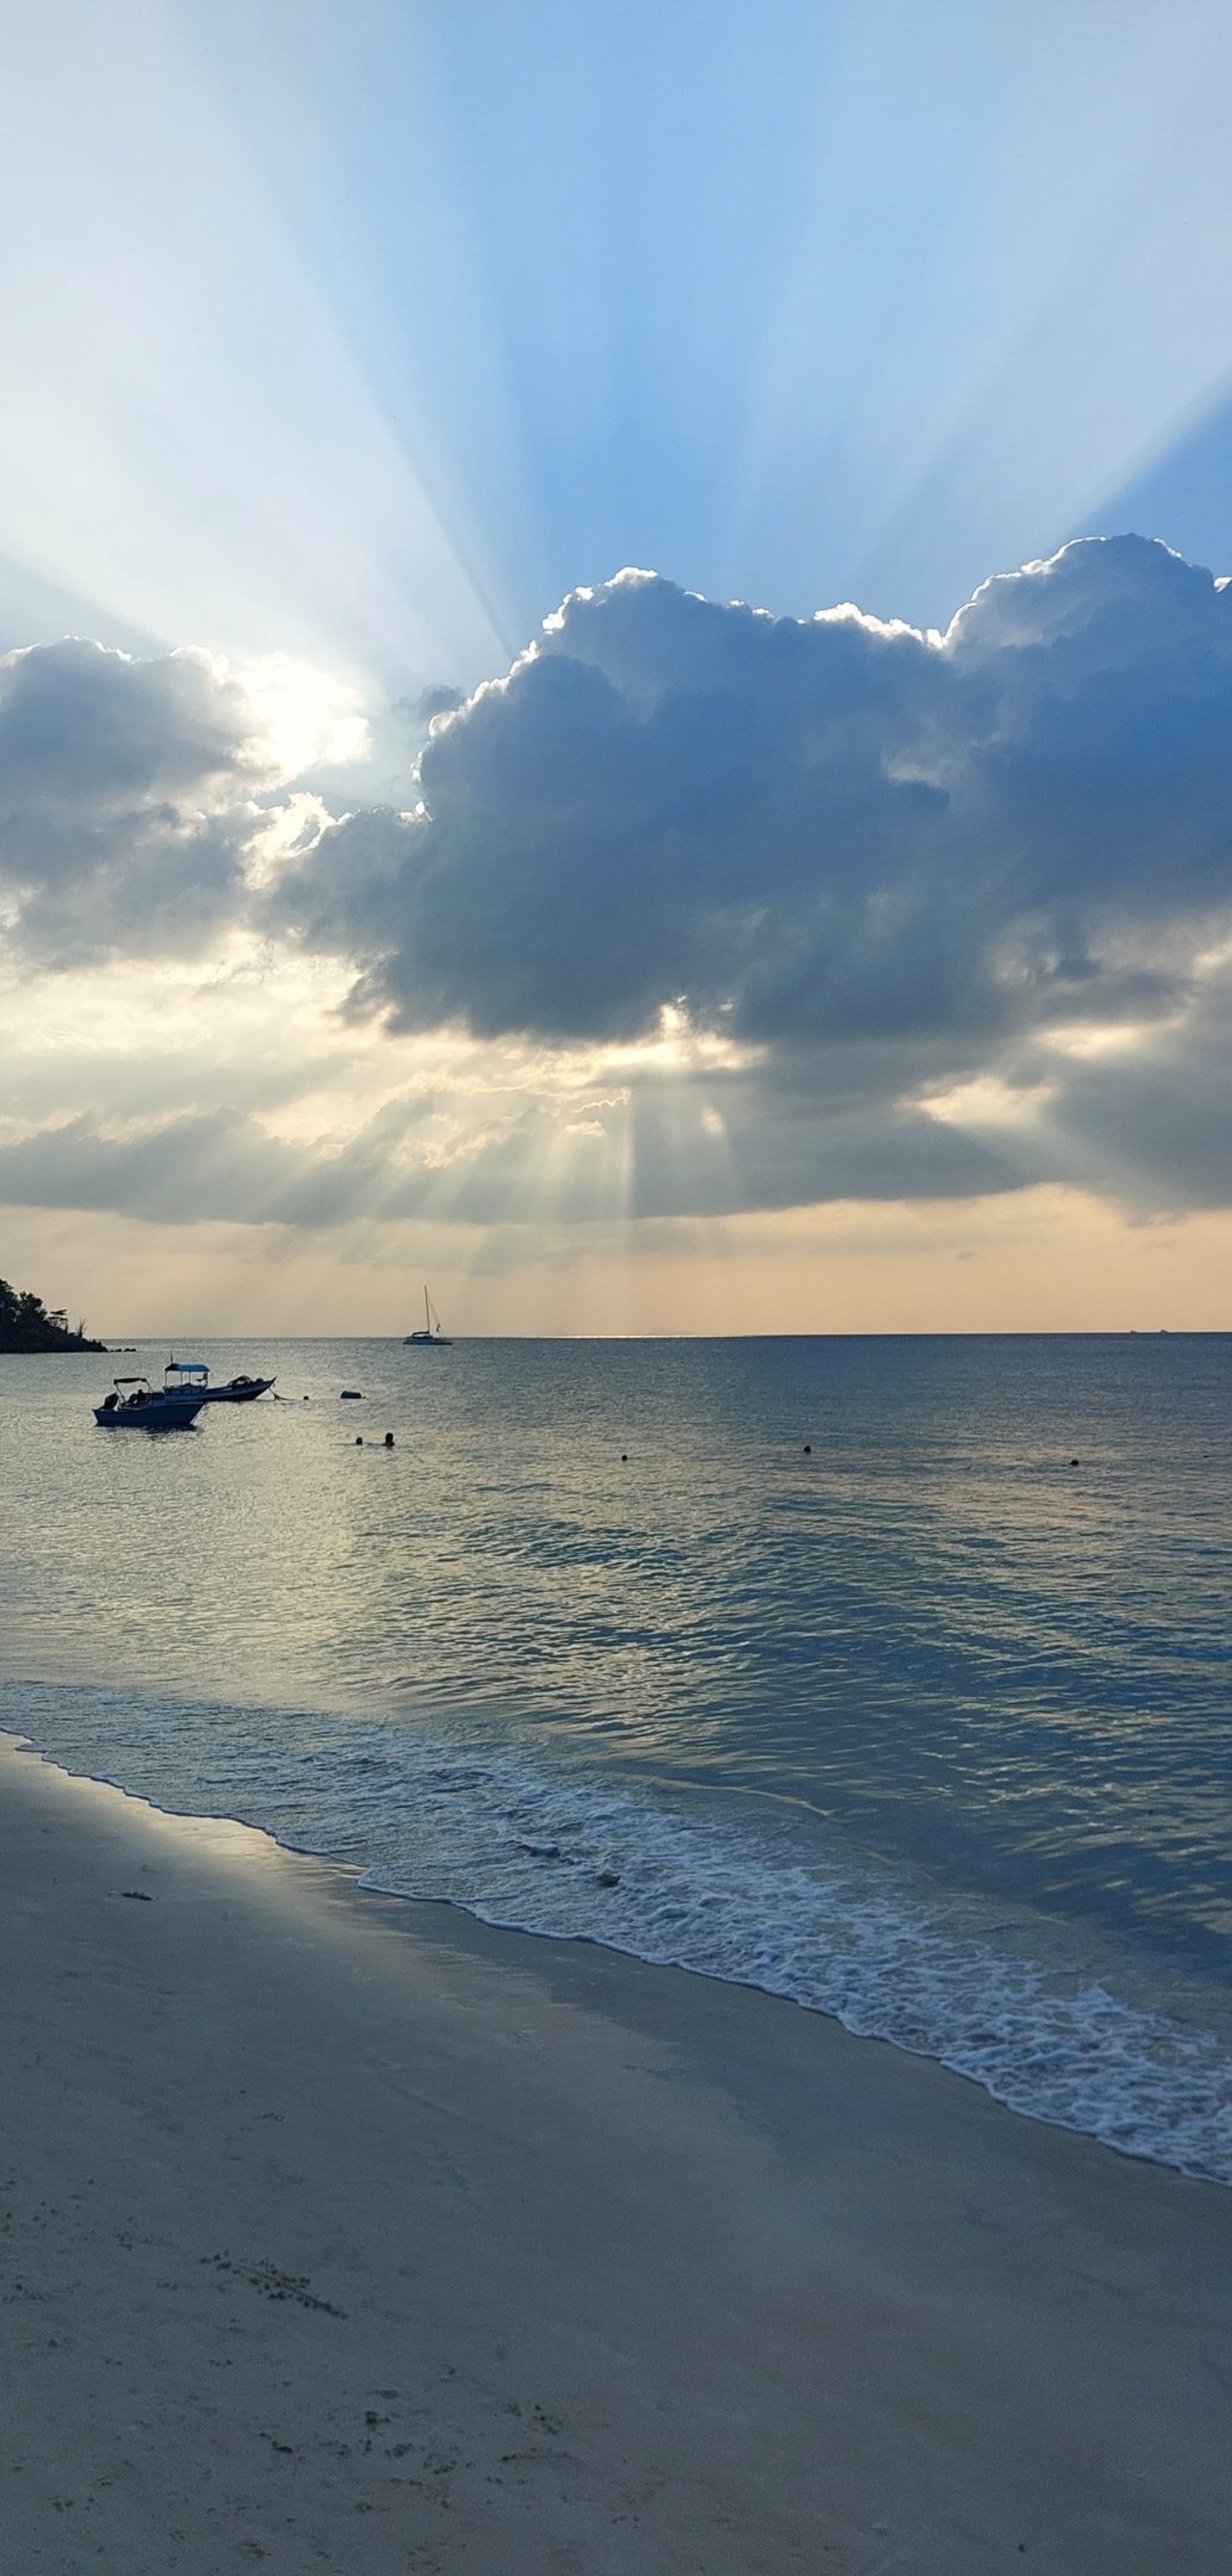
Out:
{"x": 154, "y": 1416}
{"x": 238, "y": 1394}
{"x": 428, "y": 1335}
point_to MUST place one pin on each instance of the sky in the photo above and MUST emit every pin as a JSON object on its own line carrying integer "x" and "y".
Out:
{"x": 615, "y": 668}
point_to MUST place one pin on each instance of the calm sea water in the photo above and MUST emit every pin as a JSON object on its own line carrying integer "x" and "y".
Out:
{"x": 890, "y": 1675}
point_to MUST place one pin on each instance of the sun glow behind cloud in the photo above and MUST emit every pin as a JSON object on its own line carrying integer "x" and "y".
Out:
{"x": 798, "y": 971}
{"x": 339, "y": 350}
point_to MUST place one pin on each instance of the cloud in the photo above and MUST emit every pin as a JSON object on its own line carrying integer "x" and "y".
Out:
{"x": 1151, "y": 1123}
{"x": 443, "y": 700}
{"x": 127, "y": 792}
{"x": 656, "y": 1152}
{"x": 810, "y": 831}
{"x": 218, "y": 1164}
{"x": 722, "y": 911}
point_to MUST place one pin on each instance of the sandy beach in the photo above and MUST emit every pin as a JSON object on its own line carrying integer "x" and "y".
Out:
{"x": 344, "y": 2234}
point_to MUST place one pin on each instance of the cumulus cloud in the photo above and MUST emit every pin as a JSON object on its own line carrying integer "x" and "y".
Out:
{"x": 809, "y": 831}
{"x": 127, "y": 790}
{"x": 443, "y": 700}
{"x": 883, "y": 863}
{"x": 819, "y": 909}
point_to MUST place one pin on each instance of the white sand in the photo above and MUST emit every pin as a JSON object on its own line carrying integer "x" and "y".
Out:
{"x": 343, "y": 2234}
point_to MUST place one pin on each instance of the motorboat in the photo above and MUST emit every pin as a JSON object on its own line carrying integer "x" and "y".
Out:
{"x": 429, "y": 1336}
{"x": 135, "y": 1405}
{"x": 193, "y": 1377}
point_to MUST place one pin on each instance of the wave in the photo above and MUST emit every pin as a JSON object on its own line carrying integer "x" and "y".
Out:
{"x": 524, "y": 1838}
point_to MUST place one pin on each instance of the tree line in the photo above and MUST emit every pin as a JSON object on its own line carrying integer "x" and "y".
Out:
{"x": 26, "y": 1324}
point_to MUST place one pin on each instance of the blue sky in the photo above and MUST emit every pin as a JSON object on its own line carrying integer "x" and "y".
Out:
{"x": 341, "y": 345}
{"x": 489, "y": 298}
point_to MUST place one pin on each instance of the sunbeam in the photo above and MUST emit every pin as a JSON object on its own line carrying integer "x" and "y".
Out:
{"x": 187, "y": 438}
{"x": 403, "y": 871}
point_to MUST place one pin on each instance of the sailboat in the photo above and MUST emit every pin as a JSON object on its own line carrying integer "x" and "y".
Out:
{"x": 429, "y": 1337}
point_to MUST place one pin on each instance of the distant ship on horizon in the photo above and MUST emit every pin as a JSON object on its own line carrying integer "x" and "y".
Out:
{"x": 429, "y": 1336}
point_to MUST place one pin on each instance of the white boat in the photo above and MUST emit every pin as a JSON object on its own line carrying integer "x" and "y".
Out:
{"x": 135, "y": 1405}
{"x": 193, "y": 1378}
{"x": 429, "y": 1337}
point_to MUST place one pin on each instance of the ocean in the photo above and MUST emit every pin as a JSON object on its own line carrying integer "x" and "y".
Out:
{"x": 888, "y": 1674}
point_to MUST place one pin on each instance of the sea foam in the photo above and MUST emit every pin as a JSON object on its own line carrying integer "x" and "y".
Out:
{"x": 522, "y": 1838}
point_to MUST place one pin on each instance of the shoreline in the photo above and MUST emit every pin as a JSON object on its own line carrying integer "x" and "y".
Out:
{"x": 1066, "y": 2028}
{"x": 347, "y": 2231}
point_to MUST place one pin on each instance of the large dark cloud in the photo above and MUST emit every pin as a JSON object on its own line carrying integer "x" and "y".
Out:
{"x": 805, "y": 832}
{"x": 874, "y": 875}
{"x": 124, "y": 798}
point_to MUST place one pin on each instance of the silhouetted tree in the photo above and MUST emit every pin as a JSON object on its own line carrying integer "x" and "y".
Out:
{"x": 25, "y": 1325}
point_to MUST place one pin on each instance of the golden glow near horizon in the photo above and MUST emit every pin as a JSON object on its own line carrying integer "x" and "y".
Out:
{"x": 259, "y": 1033}
{"x": 313, "y": 388}
{"x": 1048, "y": 1260}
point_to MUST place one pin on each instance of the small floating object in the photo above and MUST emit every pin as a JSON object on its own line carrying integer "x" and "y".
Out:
{"x": 350, "y": 1395}
{"x": 808, "y": 1448}
{"x": 389, "y": 1439}
{"x": 359, "y": 1440}
{"x": 624, "y": 1457}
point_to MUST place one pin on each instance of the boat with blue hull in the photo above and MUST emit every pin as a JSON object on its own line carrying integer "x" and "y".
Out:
{"x": 135, "y": 1405}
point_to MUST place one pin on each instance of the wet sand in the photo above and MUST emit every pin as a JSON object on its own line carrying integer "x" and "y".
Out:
{"x": 344, "y": 2234}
